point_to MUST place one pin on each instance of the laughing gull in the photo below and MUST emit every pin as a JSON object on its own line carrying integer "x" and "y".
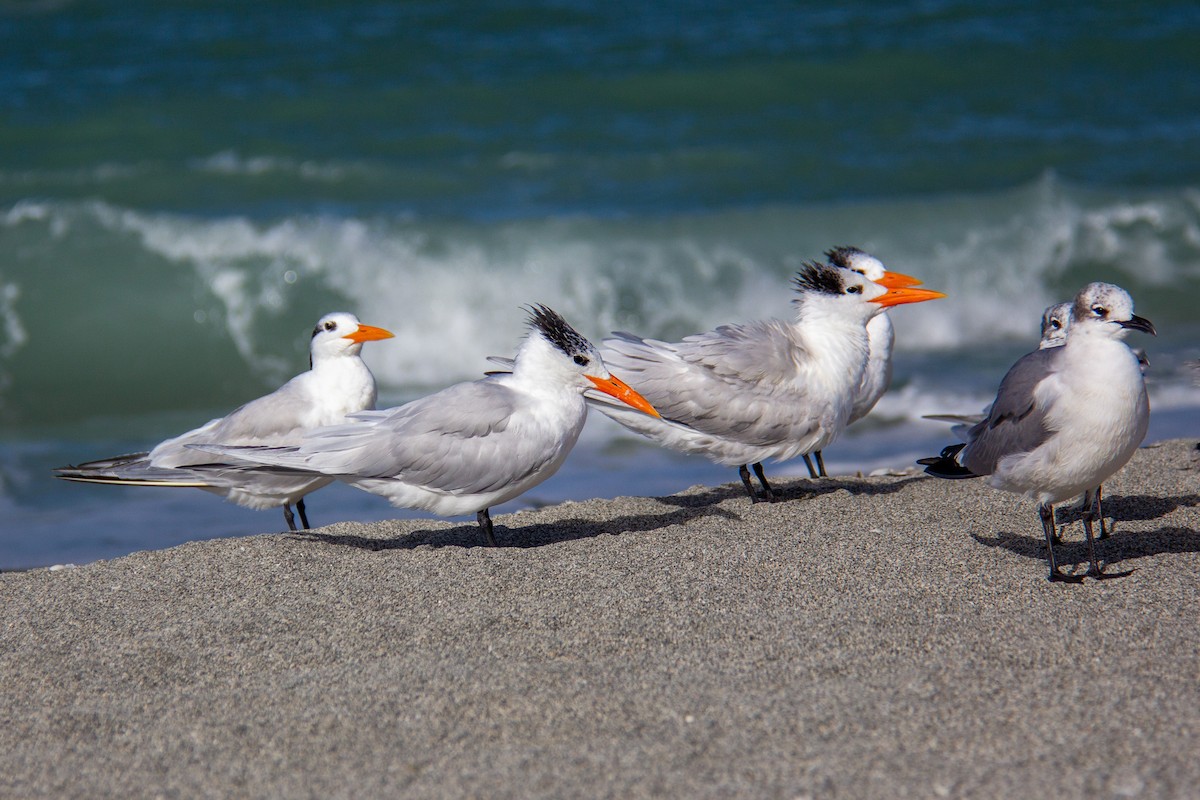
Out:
{"x": 1065, "y": 418}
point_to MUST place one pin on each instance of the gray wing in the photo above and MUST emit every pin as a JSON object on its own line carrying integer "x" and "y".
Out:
{"x": 725, "y": 382}
{"x": 277, "y": 419}
{"x": 456, "y": 440}
{"x": 1016, "y": 423}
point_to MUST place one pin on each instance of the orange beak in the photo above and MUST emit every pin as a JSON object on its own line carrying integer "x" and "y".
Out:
{"x": 368, "y": 333}
{"x": 622, "y": 391}
{"x": 897, "y": 280}
{"x": 897, "y": 297}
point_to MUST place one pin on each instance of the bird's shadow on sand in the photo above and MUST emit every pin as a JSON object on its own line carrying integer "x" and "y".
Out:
{"x": 1120, "y": 545}
{"x": 1144, "y": 506}
{"x": 797, "y": 491}
{"x": 532, "y": 535}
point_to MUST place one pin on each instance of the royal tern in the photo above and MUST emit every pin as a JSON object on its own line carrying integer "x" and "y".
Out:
{"x": 337, "y": 383}
{"x": 1065, "y": 418}
{"x": 881, "y": 338}
{"x": 470, "y": 446}
{"x": 741, "y": 394}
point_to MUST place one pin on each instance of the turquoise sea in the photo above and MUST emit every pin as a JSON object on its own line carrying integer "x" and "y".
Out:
{"x": 186, "y": 186}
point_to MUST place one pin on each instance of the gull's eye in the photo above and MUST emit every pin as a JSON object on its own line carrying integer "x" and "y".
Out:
{"x": 582, "y": 361}
{"x": 1055, "y": 324}
{"x": 853, "y": 290}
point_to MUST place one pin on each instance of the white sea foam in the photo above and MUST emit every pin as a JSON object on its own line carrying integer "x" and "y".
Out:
{"x": 453, "y": 291}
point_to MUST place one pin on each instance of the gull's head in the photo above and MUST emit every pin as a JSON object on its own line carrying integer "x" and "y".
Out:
{"x": 340, "y": 333}
{"x": 870, "y": 267}
{"x": 558, "y": 352}
{"x": 1056, "y": 321}
{"x": 1107, "y": 309}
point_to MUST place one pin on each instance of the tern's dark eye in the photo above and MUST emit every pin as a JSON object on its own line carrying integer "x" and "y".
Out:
{"x": 582, "y": 361}
{"x": 331, "y": 325}
{"x": 853, "y": 290}
{"x": 1100, "y": 311}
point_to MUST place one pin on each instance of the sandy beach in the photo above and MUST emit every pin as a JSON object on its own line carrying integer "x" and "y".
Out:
{"x": 891, "y": 636}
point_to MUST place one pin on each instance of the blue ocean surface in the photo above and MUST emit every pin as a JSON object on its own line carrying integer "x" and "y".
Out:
{"x": 186, "y": 187}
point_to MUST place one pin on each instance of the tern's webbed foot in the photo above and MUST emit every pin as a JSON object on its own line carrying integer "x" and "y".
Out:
{"x": 1062, "y": 577}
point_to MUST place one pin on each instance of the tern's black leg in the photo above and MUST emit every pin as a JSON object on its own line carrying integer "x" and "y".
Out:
{"x": 291, "y": 519}
{"x": 485, "y": 525}
{"x": 744, "y": 474}
{"x": 1047, "y": 513}
{"x": 768, "y": 492}
{"x": 1094, "y": 570}
{"x": 820, "y": 465}
{"x": 812, "y": 471}
{"x": 303, "y": 516}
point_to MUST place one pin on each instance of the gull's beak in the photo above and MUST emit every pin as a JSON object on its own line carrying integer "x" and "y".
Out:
{"x": 368, "y": 333}
{"x": 896, "y": 297}
{"x": 622, "y": 391}
{"x": 897, "y": 280}
{"x": 1140, "y": 324}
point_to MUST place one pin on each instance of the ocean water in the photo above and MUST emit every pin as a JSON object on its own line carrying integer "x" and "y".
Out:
{"x": 186, "y": 187}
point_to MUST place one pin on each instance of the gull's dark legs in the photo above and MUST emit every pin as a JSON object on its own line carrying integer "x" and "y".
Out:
{"x": 1100, "y": 515}
{"x": 768, "y": 492}
{"x": 812, "y": 472}
{"x": 1046, "y": 511}
{"x": 291, "y": 519}
{"x": 485, "y": 525}
{"x": 820, "y": 465}
{"x": 303, "y": 515}
{"x": 1089, "y": 515}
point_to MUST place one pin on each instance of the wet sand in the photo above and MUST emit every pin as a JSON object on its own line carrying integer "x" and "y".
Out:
{"x": 881, "y": 637}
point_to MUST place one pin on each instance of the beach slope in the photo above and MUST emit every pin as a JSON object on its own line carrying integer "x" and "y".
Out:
{"x": 889, "y": 637}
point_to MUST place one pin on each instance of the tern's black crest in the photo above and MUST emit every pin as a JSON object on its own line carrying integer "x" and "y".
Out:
{"x": 822, "y": 278}
{"x": 557, "y": 330}
{"x": 840, "y": 256}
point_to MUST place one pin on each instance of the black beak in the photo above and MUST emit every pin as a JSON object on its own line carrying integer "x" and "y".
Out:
{"x": 1140, "y": 324}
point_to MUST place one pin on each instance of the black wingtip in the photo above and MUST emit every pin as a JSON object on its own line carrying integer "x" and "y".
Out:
{"x": 946, "y": 464}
